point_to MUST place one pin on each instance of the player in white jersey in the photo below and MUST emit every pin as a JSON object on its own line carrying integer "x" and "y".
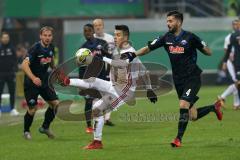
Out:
{"x": 98, "y": 25}
{"x": 232, "y": 89}
{"x": 120, "y": 89}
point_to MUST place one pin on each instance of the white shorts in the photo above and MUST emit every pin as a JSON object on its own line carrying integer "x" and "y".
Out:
{"x": 231, "y": 70}
{"x": 113, "y": 97}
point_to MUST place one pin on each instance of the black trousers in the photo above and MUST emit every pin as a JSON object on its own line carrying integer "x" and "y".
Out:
{"x": 10, "y": 79}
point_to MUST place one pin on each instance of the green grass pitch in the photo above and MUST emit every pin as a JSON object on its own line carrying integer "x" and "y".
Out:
{"x": 142, "y": 132}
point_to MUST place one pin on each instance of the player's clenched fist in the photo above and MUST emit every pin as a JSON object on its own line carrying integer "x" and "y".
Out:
{"x": 151, "y": 96}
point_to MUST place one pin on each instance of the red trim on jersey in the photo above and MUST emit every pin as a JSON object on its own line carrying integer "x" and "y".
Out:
{"x": 124, "y": 90}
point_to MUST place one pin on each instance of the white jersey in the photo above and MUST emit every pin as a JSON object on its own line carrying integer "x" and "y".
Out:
{"x": 107, "y": 37}
{"x": 230, "y": 66}
{"x": 227, "y": 41}
{"x": 125, "y": 76}
{"x": 123, "y": 81}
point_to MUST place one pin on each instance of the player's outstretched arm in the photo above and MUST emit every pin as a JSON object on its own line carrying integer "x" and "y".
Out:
{"x": 142, "y": 51}
{"x": 207, "y": 51}
{"x": 116, "y": 63}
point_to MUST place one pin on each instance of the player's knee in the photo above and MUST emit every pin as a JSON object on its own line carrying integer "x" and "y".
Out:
{"x": 97, "y": 112}
{"x": 192, "y": 117}
{"x": 32, "y": 111}
{"x": 193, "y": 114}
{"x": 53, "y": 104}
{"x": 184, "y": 104}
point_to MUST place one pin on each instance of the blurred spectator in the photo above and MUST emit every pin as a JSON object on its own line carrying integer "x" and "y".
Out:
{"x": 8, "y": 67}
{"x": 21, "y": 52}
{"x": 233, "y": 8}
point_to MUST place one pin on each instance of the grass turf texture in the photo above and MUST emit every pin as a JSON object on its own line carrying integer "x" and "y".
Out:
{"x": 134, "y": 137}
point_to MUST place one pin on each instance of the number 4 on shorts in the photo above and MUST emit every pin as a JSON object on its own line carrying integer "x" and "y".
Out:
{"x": 188, "y": 92}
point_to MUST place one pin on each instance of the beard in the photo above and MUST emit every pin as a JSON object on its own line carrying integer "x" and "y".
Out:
{"x": 172, "y": 30}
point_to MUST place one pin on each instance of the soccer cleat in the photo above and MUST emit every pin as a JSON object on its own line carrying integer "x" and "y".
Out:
{"x": 236, "y": 107}
{"x": 109, "y": 123}
{"x": 176, "y": 143}
{"x": 89, "y": 130}
{"x": 63, "y": 80}
{"x": 27, "y": 135}
{"x": 94, "y": 145}
{"x": 47, "y": 132}
{"x": 222, "y": 100}
{"x": 14, "y": 112}
{"x": 218, "y": 106}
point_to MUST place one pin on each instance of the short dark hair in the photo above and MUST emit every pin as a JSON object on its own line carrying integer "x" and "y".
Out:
{"x": 235, "y": 21}
{"x": 178, "y": 15}
{"x": 123, "y": 28}
{"x": 46, "y": 28}
{"x": 4, "y": 32}
{"x": 89, "y": 25}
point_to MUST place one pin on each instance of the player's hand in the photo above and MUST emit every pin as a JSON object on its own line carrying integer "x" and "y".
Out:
{"x": 37, "y": 81}
{"x": 151, "y": 96}
{"x": 128, "y": 55}
{"x": 98, "y": 56}
{"x": 224, "y": 66}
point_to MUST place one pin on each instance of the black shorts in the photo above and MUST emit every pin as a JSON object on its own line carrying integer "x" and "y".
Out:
{"x": 188, "y": 89}
{"x": 32, "y": 92}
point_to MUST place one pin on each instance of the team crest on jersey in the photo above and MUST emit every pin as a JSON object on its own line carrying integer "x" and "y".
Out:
{"x": 176, "y": 50}
{"x": 99, "y": 46}
{"x": 183, "y": 42}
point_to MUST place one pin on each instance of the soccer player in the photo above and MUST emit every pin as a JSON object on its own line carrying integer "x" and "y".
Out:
{"x": 35, "y": 66}
{"x": 120, "y": 89}
{"x": 97, "y": 46}
{"x": 232, "y": 89}
{"x": 98, "y": 25}
{"x": 234, "y": 45}
{"x": 181, "y": 47}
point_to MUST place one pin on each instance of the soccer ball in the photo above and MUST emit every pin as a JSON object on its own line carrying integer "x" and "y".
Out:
{"x": 81, "y": 55}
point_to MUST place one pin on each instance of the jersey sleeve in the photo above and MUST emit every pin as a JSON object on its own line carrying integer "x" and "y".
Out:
{"x": 156, "y": 43}
{"x": 31, "y": 54}
{"x": 198, "y": 43}
{"x": 229, "y": 49}
{"x": 226, "y": 41}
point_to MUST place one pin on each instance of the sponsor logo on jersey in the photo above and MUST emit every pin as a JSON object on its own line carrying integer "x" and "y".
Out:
{"x": 176, "y": 50}
{"x": 45, "y": 60}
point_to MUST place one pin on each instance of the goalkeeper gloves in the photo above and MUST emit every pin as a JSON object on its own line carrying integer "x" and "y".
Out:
{"x": 151, "y": 96}
{"x": 128, "y": 55}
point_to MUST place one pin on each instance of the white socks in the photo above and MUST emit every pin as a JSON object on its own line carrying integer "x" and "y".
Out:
{"x": 107, "y": 116}
{"x": 79, "y": 83}
{"x": 236, "y": 101}
{"x": 98, "y": 123}
{"x": 230, "y": 90}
